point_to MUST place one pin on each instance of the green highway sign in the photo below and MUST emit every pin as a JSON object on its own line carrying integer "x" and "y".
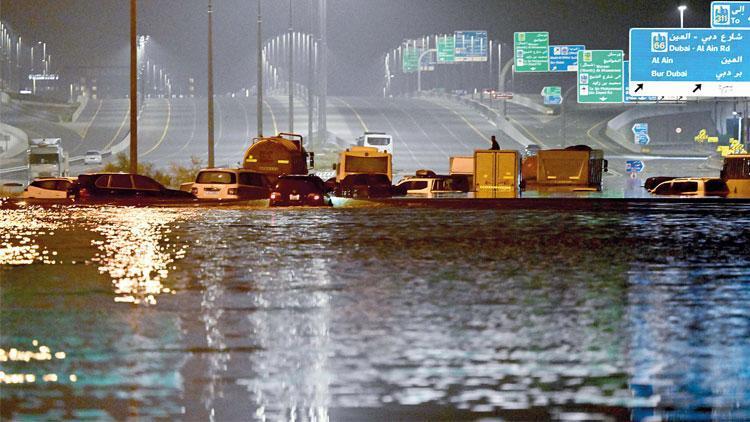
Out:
{"x": 531, "y": 51}
{"x": 552, "y": 91}
{"x": 600, "y": 78}
{"x": 446, "y": 49}
{"x": 410, "y": 58}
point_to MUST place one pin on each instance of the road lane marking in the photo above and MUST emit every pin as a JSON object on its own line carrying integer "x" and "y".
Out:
{"x": 91, "y": 122}
{"x": 361, "y": 122}
{"x": 273, "y": 117}
{"x": 164, "y": 133}
{"x": 192, "y": 132}
{"x": 122, "y": 125}
{"x": 421, "y": 129}
{"x": 481, "y": 134}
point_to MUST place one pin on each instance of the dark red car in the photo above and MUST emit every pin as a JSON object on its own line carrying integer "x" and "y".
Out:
{"x": 299, "y": 190}
{"x": 125, "y": 188}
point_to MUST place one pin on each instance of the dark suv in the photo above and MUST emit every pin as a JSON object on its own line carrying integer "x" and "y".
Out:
{"x": 125, "y": 187}
{"x": 365, "y": 186}
{"x": 299, "y": 190}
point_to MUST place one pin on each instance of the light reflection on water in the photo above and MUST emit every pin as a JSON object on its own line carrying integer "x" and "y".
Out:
{"x": 313, "y": 314}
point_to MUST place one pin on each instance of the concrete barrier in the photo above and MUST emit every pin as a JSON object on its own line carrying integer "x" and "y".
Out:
{"x": 82, "y": 102}
{"x": 17, "y": 144}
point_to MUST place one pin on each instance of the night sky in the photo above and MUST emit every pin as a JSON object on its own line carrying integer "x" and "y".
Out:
{"x": 95, "y": 32}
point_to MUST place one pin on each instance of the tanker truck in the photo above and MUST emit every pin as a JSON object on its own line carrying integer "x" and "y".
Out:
{"x": 277, "y": 155}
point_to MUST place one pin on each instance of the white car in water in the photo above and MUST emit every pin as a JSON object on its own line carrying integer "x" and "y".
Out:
{"x": 231, "y": 184}
{"x": 50, "y": 188}
{"x": 92, "y": 157}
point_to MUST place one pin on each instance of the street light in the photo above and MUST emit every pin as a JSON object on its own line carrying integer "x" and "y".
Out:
{"x": 682, "y": 15}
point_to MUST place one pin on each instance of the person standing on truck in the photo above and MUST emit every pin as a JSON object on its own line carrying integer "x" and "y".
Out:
{"x": 495, "y": 145}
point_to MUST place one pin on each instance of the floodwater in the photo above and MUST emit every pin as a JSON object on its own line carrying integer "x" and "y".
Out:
{"x": 375, "y": 313}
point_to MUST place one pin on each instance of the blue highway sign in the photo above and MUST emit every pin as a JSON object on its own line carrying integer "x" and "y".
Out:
{"x": 690, "y": 62}
{"x": 471, "y": 46}
{"x": 626, "y": 83}
{"x": 634, "y": 166}
{"x": 564, "y": 58}
{"x": 730, "y": 14}
{"x": 640, "y": 134}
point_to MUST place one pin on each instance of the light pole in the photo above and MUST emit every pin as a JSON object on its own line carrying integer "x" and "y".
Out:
{"x": 290, "y": 45}
{"x": 682, "y": 9}
{"x": 133, "y": 87}
{"x": 419, "y": 67}
{"x": 210, "y": 90}
{"x": 259, "y": 82}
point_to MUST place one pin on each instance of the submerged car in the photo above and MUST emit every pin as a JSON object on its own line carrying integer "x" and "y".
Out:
{"x": 364, "y": 186}
{"x": 51, "y": 188}
{"x": 230, "y": 184}
{"x": 652, "y": 182}
{"x": 699, "y": 186}
{"x": 299, "y": 190}
{"x": 125, "y": 187}
{"x": 428, "y": 184}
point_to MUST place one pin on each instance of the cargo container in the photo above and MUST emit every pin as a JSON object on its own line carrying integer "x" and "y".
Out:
{"x": 736, "y": 173}
{"x": 578, "y": 167}
{"x": 496, "y": 173}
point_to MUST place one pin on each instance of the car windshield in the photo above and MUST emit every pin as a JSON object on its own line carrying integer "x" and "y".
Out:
{"x": 43, "y": 158}
{"x": 379, "y": 141}
{"x": 684, "y": 187}
{"x": 216, "y": 177}
{"x": 714, "y": 186}
{"x": 92, "y": 153}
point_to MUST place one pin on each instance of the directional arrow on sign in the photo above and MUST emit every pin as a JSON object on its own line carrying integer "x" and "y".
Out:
{"x": 698, "y": 87}
{"x": 640, "y": 87}
{"x": 603, "y": 99}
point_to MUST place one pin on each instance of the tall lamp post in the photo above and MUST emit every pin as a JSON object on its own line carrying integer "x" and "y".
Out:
{"x": 291, "y": 69}
{"x": 133, "y": 87}
{"x": 682, "y": 15}
{"x": 259, "y": 83}
{"x": 210, "y": 90}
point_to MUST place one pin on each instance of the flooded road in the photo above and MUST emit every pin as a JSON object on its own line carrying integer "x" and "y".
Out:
{"x": 373, "y": 314}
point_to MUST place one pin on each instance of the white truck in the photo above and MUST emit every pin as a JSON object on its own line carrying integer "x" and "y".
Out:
{"x": 46, "y": 158}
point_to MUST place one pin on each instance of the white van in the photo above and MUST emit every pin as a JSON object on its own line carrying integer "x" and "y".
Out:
{"x": 230, "y": 184}
{"x": 379, "y": 140}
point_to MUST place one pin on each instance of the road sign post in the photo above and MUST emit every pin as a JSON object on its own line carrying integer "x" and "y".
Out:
{"x": 531, "y": 51}
{"x": 600, "y": 76}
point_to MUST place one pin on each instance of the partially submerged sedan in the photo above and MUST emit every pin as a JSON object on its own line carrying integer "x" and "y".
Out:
{"x": 300, "y": 190}
{"x": 125, "y": 188}
{"x": 51, "y": 188}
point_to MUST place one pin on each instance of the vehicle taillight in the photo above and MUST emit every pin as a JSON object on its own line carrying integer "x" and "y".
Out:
{"x": 83, "y": 193}
{"x": 194, "y": 191}
{"x": 275, "y": 195}
{"x": 316, "y": 197}
{"x": 232, "y": 191}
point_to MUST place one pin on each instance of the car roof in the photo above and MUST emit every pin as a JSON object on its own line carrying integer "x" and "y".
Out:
{"x": 694, "y": 179}
{"x": 95, "y": 151}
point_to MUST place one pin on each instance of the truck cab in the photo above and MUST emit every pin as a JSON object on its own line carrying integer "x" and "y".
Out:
{"x": 46, "y": 158}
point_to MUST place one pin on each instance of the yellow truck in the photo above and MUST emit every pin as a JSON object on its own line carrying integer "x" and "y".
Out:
{"x": 496, "y": 173}
{"x": 578, "y": 167}
{"x": 363, "y": 160}
{"x": 736, "y": 174}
